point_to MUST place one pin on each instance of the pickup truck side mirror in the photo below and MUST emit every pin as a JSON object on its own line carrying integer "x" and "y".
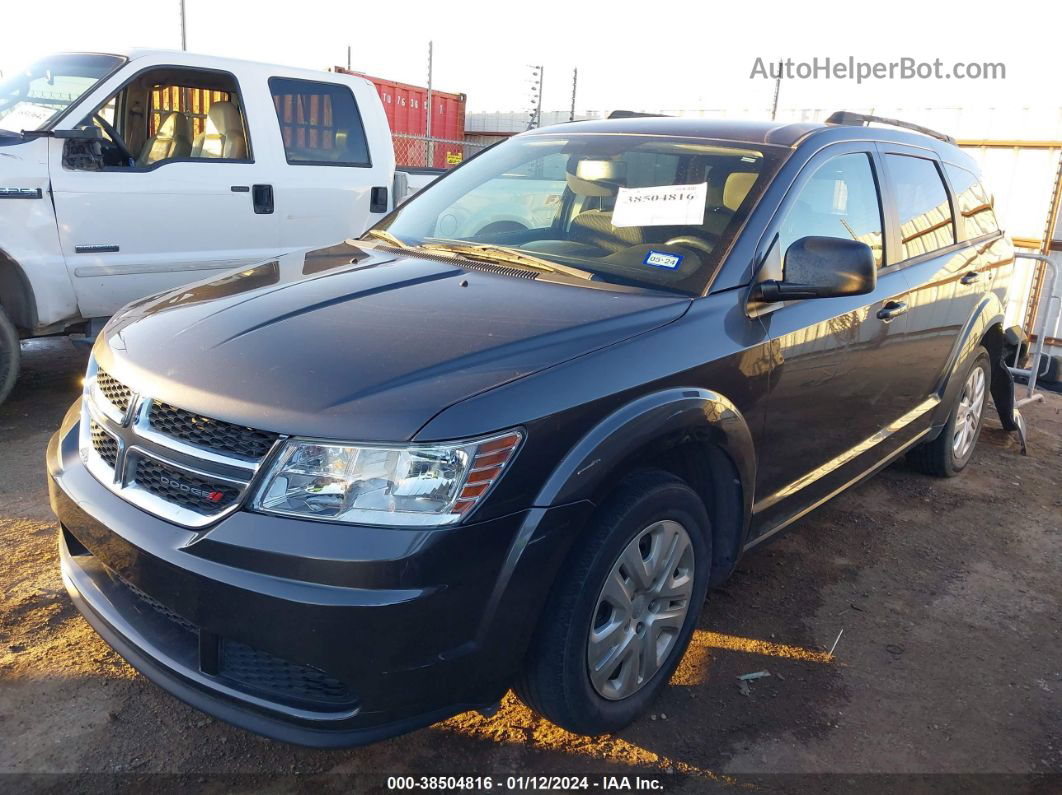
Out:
{"x": 89, "y": 132}
{"x": 823, "y": 267}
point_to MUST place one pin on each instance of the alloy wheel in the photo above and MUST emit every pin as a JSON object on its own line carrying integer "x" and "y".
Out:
{"x": 968, "y": 415}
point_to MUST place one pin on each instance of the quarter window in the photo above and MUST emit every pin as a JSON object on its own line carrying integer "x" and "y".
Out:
{"x": 973, "y": 204}
{"x": 926, "y": 223}
{"x": 320, "y": 123}
{"x": 839, "y": 200}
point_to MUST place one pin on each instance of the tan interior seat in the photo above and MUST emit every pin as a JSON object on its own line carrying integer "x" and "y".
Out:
{"x": 735, "y": 189}
{"x": 223, "y": 137}
{"x": 173, "y": 139}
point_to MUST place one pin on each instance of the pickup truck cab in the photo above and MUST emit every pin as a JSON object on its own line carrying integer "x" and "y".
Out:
{"x": 122, "y": 175}
{"x": 337, "y": 498}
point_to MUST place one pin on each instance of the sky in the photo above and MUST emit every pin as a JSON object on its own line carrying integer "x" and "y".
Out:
{"x": 639, "y": 55}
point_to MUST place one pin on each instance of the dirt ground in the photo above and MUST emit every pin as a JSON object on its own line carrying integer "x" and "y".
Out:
{"x": 946, "y": 595}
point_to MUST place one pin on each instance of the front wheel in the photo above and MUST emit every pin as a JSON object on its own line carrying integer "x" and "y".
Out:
{"x": 951, "y": 451}
{"x": 623, "y": 608}
{"x": 9, "y": 355}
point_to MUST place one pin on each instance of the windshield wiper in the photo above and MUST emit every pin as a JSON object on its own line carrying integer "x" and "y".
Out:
{"x": 511, "y": 256}
{"x": 387, "y": 237}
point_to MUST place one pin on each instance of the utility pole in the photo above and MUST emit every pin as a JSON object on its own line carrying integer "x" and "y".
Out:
{"x": 348, "y": 57}
{"x": 184, "y": 37}
{"x": 575, "y": 83}
{"x": 535, "y": 114}
{"x": 777, "y": 88}
{"x": 427, "y": 129}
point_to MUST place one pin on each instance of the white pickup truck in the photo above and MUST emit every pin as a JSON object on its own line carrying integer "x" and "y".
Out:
{"x": 122, "y": 175}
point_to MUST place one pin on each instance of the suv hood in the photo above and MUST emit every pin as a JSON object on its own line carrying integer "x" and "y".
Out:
{"x": 359, "y": 344}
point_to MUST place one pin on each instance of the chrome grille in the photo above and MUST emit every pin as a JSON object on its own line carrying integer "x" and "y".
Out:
{"x": 104, "y": 444}
{"x": 188, "y": 469}
{"x": 116, "y": 392}
{"x": 215, "y": 435}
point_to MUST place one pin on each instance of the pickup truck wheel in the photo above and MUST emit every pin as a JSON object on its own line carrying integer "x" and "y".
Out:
{"x": 9, "y": 355}
{"x": 622, "y": 611}
{"x": 951, "y": 451}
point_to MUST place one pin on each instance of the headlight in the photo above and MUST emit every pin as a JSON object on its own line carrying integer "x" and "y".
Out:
{"x": 412, "y": 485}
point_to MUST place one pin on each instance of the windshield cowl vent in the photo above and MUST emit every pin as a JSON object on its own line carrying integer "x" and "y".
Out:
{"x": 470, "y": 264}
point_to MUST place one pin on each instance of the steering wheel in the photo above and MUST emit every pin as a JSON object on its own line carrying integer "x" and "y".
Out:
{"x": 690, "y": 241}
{"x": 116, "y": 139}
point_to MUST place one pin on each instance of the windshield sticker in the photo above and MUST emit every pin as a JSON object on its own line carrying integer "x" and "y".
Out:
{"x": 663, "y": 205}
{"x": 661, "y": 259}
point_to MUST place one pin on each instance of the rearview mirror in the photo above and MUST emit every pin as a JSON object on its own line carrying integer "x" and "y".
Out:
{"x": 823, "y": 267}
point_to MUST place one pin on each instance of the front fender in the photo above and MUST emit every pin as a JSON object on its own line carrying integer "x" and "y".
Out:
{"x": 650, "y": 424}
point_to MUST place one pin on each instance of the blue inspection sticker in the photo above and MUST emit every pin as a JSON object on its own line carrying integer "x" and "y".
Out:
{"x": 661, "y": 259}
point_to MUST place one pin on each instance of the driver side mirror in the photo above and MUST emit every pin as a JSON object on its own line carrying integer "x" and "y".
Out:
{"x": 823, "y": 267}
{"x": 89, "y": 132}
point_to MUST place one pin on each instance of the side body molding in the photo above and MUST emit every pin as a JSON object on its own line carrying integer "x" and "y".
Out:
{"x": 651, "y": 424}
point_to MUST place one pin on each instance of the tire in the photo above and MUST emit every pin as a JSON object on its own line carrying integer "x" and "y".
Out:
{"x": 10, "y": 354}
{"x": 641, "y": 515}
{"x": 945, "y": 457}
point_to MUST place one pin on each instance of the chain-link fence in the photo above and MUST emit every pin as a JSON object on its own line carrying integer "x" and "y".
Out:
{"x": 418, "y": 151}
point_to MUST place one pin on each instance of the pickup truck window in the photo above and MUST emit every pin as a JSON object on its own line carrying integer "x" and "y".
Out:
{"x": 839, "y": 200}
{"x": 922, "y": 203}
{"x": 630, "y": 209}
{"x": 173, "y": 113}
{"x": 974, "y": 204}
{"x": 320, "y": 123}
{"x": 38, "y": 95}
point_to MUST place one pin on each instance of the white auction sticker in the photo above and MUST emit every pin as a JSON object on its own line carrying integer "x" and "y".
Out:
{"x": 663, "y": 205}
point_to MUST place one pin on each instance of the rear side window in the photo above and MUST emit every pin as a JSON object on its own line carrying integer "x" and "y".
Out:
{"x": 972, "y": 203}
{"x": 926, "y": 223}
{"x": 320, "y": 123}
{"x": 839, "y": 200}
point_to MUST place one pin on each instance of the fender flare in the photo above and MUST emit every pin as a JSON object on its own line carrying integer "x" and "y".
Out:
{"x": 988, "y": 313}
{"x": 654, "y": 423}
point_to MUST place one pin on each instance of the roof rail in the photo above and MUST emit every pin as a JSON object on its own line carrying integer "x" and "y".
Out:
{"x": 860, "y": 119}
{"x": 634, "y": 114}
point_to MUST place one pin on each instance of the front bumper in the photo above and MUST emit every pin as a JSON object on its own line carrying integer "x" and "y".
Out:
{"x": 304, "y": 631}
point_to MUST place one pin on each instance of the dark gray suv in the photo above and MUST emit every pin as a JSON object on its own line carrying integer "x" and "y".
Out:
{"x": 337, "y": 497}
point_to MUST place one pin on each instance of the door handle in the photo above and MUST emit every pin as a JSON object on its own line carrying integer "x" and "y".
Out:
{"x": 970, "y": 278}
{"x": 892, "y": 310}
{"x": 262, "y": 199}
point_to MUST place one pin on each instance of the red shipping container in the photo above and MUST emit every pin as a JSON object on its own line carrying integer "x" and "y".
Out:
{"x": 406, "y": 109}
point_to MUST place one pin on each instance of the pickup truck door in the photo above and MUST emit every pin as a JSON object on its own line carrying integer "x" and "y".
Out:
{"x": 339, "y": 171}
{"x": 130, "y": 231}
{"x": 831, "y": 399}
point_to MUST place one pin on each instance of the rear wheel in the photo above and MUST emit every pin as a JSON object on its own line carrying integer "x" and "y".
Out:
{"x": 9, "y": 355}
{"x": 623, "y": 609}
{"x": 951, "y": 451}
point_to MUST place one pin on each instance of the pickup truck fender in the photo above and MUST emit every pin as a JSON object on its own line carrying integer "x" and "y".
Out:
{"x": 984, "y": 327}
{"x": 35, "y": 288}
{"x": 650, "y": 427}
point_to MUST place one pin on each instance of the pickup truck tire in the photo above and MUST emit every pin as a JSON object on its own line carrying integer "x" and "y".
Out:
{"x": 948, "y": 454}
{"x": 652, "y": 518}
{"x": 10, "y": 354}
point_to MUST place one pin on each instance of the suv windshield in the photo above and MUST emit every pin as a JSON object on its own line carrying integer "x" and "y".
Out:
{"x": 638, "y": 210}
{"x": 34, "y": 97}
